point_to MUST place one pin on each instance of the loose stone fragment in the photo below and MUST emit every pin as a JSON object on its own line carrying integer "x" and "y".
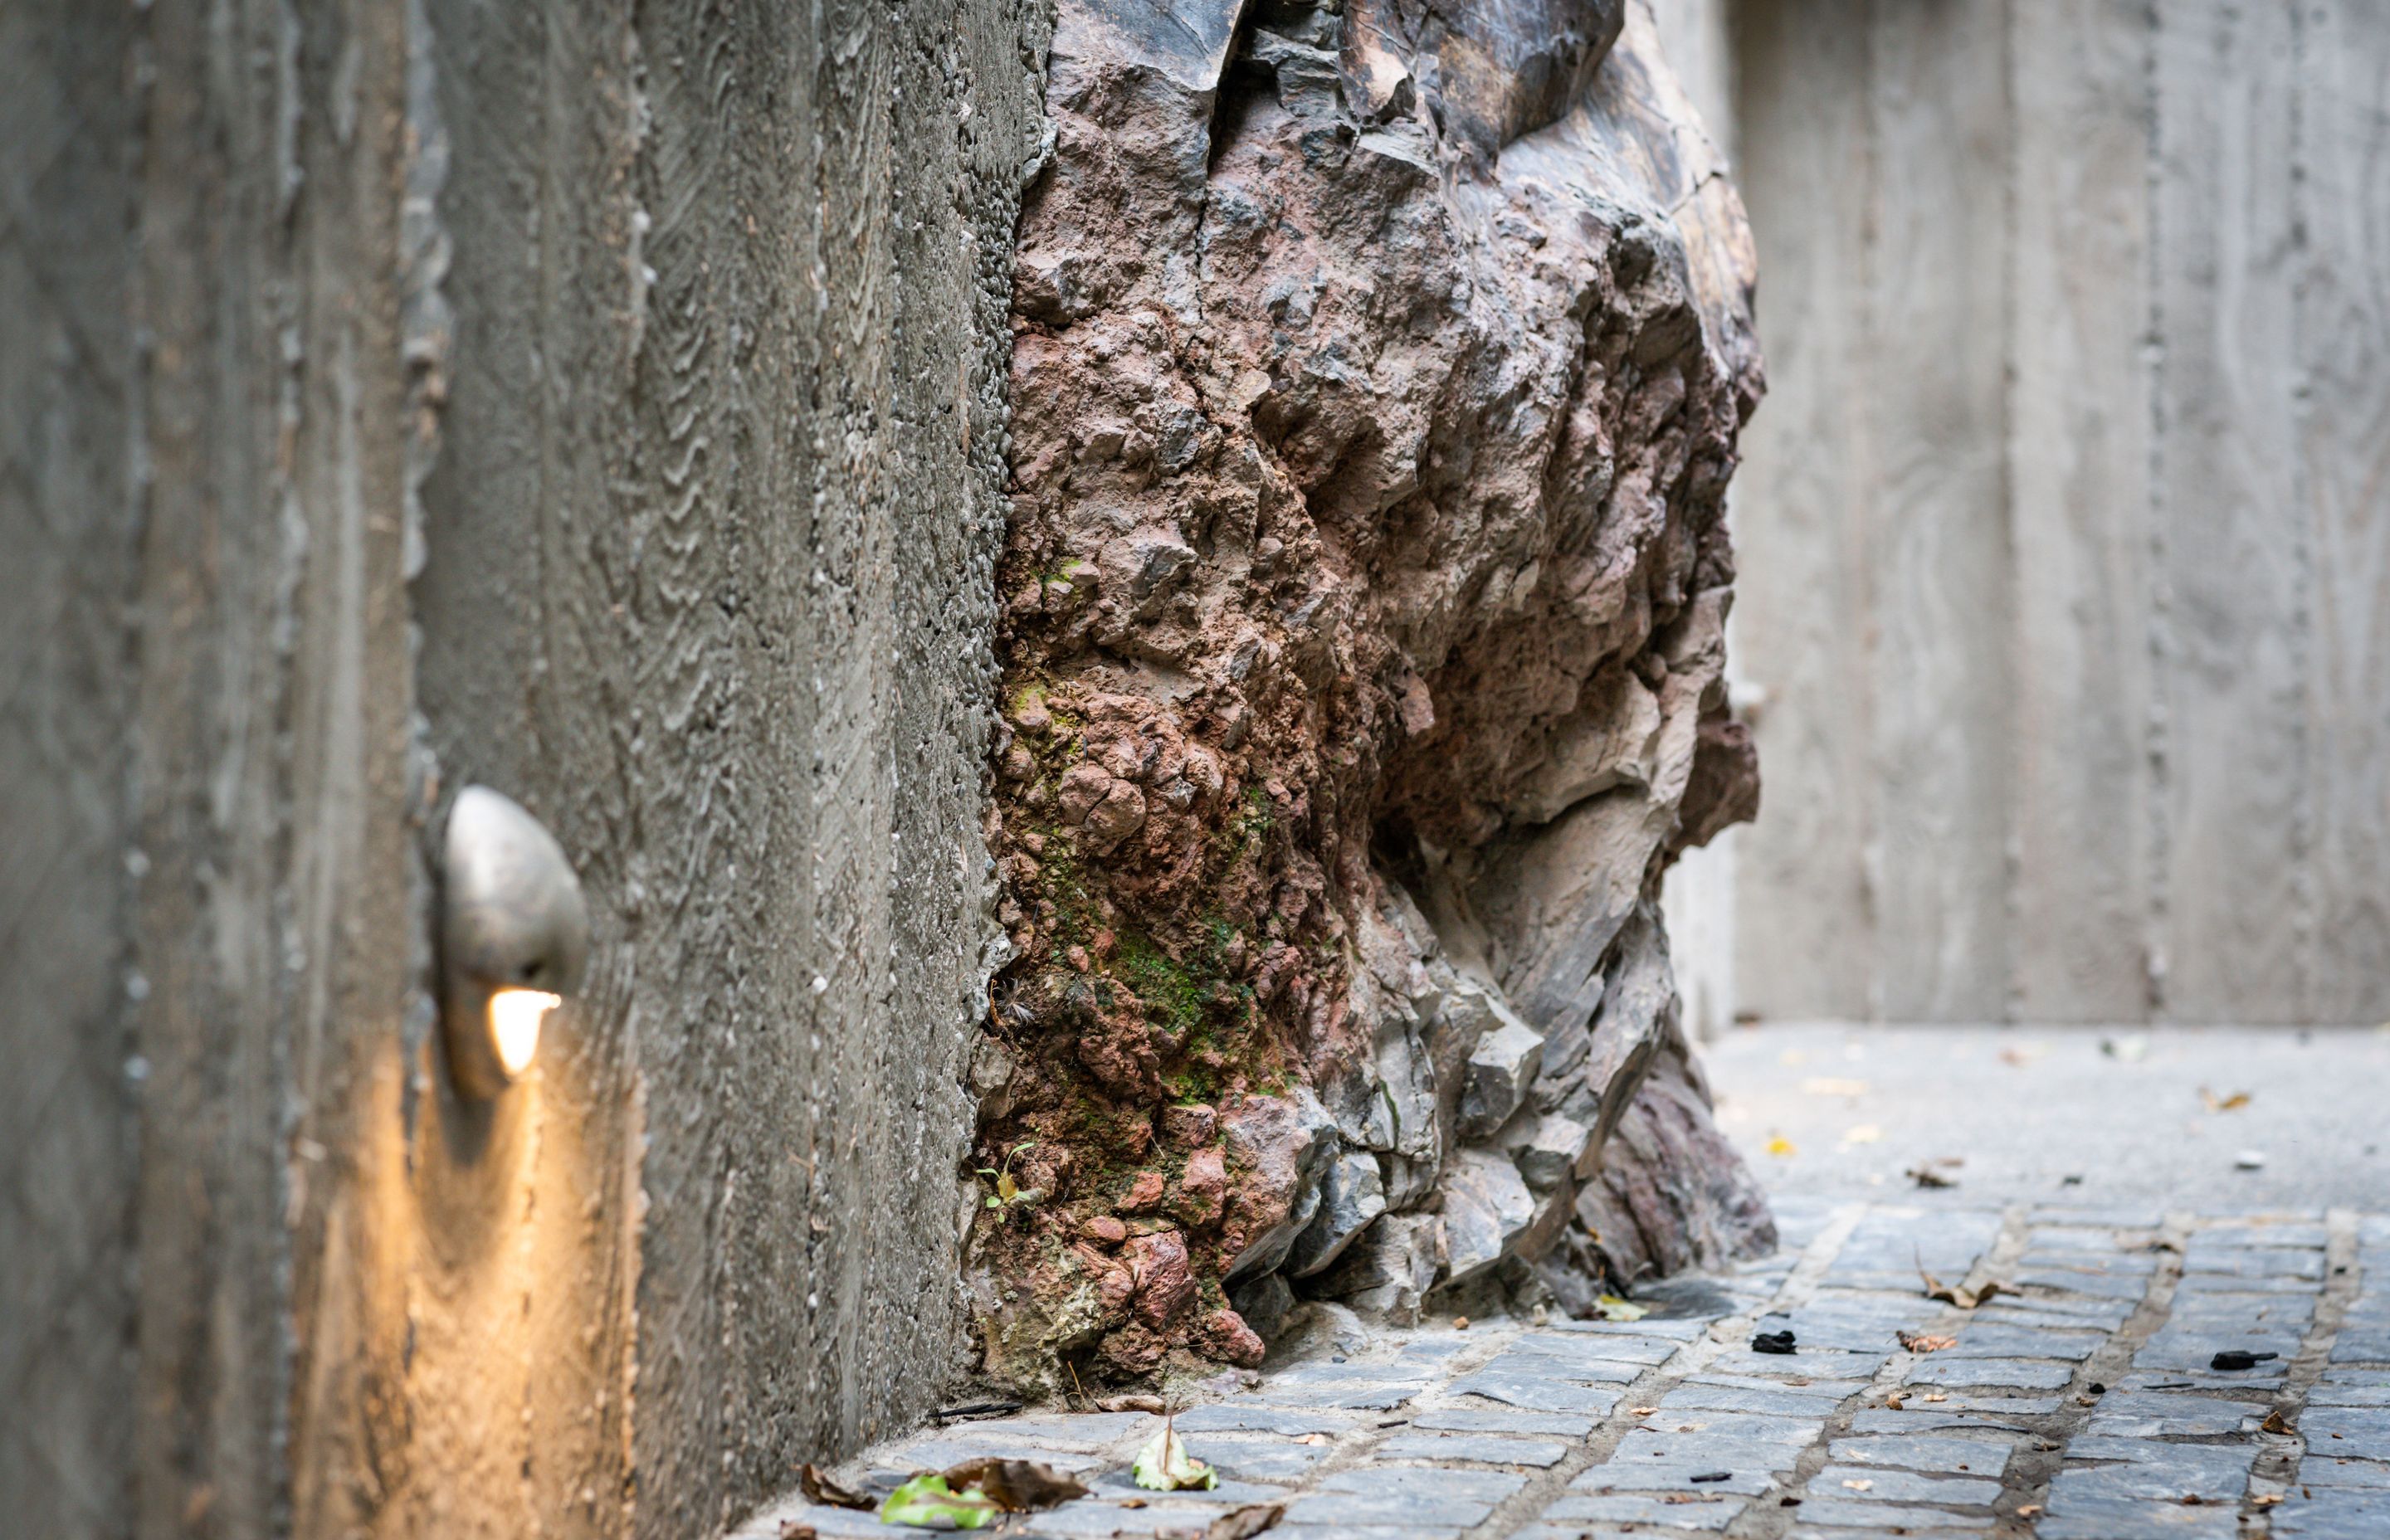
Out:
{"x": 1486, "y": 1207}
{"x": 1351, "y": 1195}
{"x": 1498, "y": 1074}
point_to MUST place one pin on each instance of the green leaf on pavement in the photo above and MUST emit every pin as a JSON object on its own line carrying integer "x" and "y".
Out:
{"x": 1163, "y": 1464}
{"x": 928, "y": 1501}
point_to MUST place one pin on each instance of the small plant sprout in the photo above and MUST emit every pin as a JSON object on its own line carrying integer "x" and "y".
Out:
{"x": 1009, "y": 1192}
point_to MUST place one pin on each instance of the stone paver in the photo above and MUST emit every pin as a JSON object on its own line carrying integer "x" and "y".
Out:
{"x": 2087, "y": 1404}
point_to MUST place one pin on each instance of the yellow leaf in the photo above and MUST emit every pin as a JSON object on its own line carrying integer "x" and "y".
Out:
{"x": 1780, "y": 1145}
{"x": 1007, "y": 1188}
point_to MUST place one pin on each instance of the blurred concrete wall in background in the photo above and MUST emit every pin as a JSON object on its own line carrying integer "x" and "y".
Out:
{"x": 2066, "y": 526}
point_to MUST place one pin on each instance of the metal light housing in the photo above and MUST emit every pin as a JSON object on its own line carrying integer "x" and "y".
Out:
{"x": 514, "y": 938}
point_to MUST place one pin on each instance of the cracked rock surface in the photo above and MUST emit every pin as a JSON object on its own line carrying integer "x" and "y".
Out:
{"x": 1375, "y": 384}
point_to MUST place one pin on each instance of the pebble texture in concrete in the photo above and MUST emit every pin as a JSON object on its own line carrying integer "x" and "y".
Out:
{"x": 2085, "y": 1404}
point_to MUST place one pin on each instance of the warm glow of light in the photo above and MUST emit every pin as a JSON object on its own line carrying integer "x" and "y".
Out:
{"x": 515, "y": 1016}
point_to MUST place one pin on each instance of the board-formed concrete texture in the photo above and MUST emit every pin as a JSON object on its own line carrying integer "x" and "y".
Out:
{"x": 1377, "y": 379}
{"x": 602, "y": 403}
{"x": 2067, "y": 552}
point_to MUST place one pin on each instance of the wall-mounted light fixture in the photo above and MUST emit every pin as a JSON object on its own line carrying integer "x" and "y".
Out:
{"x": 514, "y": 936}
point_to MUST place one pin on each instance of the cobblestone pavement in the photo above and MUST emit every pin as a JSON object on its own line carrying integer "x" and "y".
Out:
{"x": 2084, "y": 1405}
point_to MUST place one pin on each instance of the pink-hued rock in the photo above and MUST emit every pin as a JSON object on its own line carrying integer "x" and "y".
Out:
{"x": 1144, "y": 1193}
{"x": 1223, "y": 1334}
{"x": 1203, "y": 1187}
{"x": 1375, "y": 385}
{"x": 1282, "y": 1147}
{"x": 1190, "y": 1127}
{"x": 1165, "y": 1286}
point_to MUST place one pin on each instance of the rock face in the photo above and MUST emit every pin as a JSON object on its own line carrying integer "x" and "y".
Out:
{"x": 1671, "y": 1193}
{"x": 1376, "y": 378}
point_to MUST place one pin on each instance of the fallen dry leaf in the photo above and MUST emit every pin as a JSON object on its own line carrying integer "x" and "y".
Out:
{"x": 1897, "y": 1400}
{"x": 1779, "y": 1145}
{"x": 2215, "y": 1103}
{"x": 1861, "y": 1484}
{"x": 792, "y": 1529}
{"x": 2277, "y": 1423}
{"x": 1926, "y": 1342}
{"x": 2029, "y": 1510}
{"x": 1016, "y": 1486}
{"x": 1828, "y": 1086}
{"x": 1153, "y": 1404}
{"x": 2266, "y": 1499}
{"x": 822, "y": 1491}
{"x": 1937, "y": 1395}
{"x": 1132, "y": 1502}
{"x": 1245, "y": 1522}
{"x": 1314, "y": 1438}
{"x": 1926, "y": 1176}
{"x": 1951, "y": 1293}
{"x": 1644, "y": 1411}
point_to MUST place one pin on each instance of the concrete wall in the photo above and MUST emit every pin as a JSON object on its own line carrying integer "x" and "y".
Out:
{"x": 1699, "y": 893}
{"x": 2066, "y": 525}
{"x": 605, "y": 406}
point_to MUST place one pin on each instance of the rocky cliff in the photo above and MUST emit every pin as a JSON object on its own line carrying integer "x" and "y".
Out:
{"x": 1376, "y": 378}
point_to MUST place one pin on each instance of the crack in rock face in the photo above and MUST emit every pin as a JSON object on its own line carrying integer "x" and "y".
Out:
{"x": 1376, "y": 378}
